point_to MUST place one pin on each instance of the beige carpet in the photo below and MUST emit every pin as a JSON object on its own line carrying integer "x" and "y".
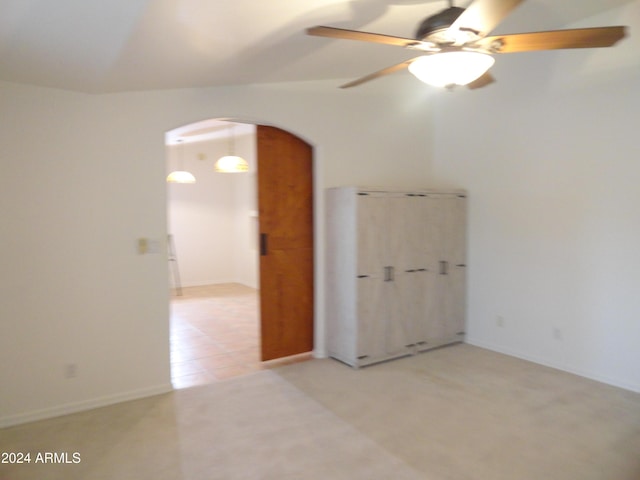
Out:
{"x": 463, "y": 413}
{"x": 456, "y": 413}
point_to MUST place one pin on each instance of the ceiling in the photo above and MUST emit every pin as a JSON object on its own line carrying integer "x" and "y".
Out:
{"x": 99, "y": 46}
{"x": 206, "y": 130}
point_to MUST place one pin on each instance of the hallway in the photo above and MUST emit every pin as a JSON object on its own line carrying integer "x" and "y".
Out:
{"x": 215, "y": 335}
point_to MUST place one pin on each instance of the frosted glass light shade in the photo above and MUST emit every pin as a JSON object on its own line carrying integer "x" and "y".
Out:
{"x": 451, "y": 68}
{"x": 231, "y": 164}
{"x": 181, "y": 176}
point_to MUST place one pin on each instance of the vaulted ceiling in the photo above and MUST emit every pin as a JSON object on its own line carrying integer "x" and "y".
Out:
{"x": 100, "y": 46}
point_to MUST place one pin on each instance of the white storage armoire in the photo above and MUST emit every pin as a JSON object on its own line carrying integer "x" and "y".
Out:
{"x": 395, "y": 272}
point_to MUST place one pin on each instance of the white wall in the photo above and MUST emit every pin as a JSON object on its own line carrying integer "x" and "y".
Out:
{"x": 246, "y": 226}
{"x": 82, "y": 180}
{"x": 213, "y": 232}
{"x": 551, "y": 158}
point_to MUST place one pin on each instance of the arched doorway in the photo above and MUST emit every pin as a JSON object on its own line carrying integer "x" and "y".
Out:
{"x": 282, "y": 231}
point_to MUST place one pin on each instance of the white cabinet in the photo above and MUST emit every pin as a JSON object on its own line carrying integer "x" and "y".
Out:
{"x": 395, "y": 270}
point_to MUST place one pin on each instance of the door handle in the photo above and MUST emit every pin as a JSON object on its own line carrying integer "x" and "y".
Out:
{"x": 263, "y": 244}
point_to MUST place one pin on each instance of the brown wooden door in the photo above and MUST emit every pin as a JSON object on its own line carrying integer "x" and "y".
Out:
{"x": 285, "y": 203}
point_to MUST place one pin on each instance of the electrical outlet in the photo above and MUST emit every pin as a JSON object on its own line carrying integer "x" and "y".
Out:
{"x": 557, "y": 333}
{"x": 500, "y": 320}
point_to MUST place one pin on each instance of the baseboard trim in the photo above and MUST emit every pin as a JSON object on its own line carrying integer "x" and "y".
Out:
{"x": 565, "y": 368}
{"x": 76, "y": 407}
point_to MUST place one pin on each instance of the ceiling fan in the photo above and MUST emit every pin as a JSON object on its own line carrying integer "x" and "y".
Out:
{"x": 455, "y": 48}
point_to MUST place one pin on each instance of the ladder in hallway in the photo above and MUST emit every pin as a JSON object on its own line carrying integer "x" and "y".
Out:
{"x": 173, "y": 263}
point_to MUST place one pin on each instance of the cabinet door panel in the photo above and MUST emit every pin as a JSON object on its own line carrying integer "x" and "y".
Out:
{"x": 424, "y": 314}
{"x": 414, "y": 292}
{"x": 457, "y": 302}
{"x": 394, "y": 231}
{"x": 371, "y": 318}
{"x": 415, "y": 235}
{"x": 371, "y": 245}
{"x": 398, "y": 314}
{"x": 446, "y": 316}
{"x": 433, "y": 232}
{"x": 429, "y": 321}
{"x": 456, "y": 219}
{"x": 453, "y": 221}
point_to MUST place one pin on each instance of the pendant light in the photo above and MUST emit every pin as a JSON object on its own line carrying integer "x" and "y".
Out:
{"x": 180, "y": 175}
{"x": 231, "y": 163}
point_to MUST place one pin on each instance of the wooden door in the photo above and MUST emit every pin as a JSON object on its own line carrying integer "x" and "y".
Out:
{"x": 285, "y": 203}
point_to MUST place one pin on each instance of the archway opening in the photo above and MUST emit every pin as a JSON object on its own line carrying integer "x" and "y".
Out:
{"x": 214, "y": 253}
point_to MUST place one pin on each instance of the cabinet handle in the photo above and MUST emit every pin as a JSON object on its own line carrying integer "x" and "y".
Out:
{"x": 263, "y": 244}
{"x": 444, "y": 267}
{"x": 363, "y": 276}
{"x": 388, "y": 274}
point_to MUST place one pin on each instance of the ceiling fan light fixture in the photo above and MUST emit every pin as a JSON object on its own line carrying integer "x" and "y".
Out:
{"x": 451, "y": 68}
{"x": 231, "y": 164}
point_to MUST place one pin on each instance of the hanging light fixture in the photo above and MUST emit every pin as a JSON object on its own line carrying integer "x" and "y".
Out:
{"x": 180, "y": 175}
{"x": 231, "y": 163}
{"x": 455, "y": 67}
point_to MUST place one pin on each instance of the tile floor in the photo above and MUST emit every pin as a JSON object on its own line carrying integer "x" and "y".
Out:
{"x": 215, "y": 334}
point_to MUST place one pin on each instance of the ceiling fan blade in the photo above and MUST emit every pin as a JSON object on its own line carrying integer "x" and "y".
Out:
{"x": 341, "y": 33}
{"x": 555, "y": 39}
{"x": 482, "y": 16}
{"x": 379, "y": 73}
{"x": 483, "y": 81}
